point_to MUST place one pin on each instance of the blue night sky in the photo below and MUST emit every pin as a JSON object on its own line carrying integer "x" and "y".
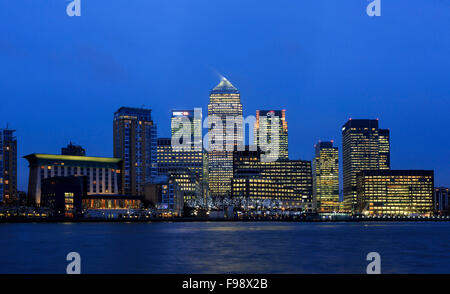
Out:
{"x": 324, "y": 61}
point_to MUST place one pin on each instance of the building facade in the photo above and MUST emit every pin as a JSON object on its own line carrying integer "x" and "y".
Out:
{"x": 271, "y": 123}
{"x": 8, "y": 166}
{"x": 395, "y": 192}
{"x": 63, "y": 195}
{"x": 441, "y": 200}
{"x": 288, "y": 181}
{"x": 224, "y": 135}
{"x": 135, "y": 142}
{"x": 185, "y": 167}
{"x": 166, "y": 195}
{"x": 325, "y": 170}
{"x": 363, "y": 148}
{"x": 104, "y": 175}
{"x": 188, "y": 124}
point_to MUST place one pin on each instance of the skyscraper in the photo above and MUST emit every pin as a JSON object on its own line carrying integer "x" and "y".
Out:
{"x": 224, "y": 134}
{"x": 265, "y": 121}
{"x": 135, "y": 141}
{"x": 8, "y": 166}
{"x": 187, "y": 123}
{"x": 325, "y": 169}
{"x": 363, "y": 148}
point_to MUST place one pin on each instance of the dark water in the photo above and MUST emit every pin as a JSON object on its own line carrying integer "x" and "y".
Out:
{"x": 225, "y": 247}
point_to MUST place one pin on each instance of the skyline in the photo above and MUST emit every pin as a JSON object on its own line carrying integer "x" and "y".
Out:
{"x": 66, "y": 77}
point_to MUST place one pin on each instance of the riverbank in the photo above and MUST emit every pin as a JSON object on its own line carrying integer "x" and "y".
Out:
{"x": 198, "y": 219}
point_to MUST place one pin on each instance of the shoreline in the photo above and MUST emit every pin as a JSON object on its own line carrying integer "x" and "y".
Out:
{"x": 187, "y": 220}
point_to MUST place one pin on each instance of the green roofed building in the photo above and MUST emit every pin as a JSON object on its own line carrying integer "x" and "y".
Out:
{"x": 103, "y": 173}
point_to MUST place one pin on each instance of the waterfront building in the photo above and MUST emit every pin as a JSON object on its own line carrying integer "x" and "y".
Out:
{"x": 364, "y": 147}
{"x": 8, "y": 166}
{"x": 63, "y": 195}
{"x": 395, "y": 192}
{"x": 266, "y": 120}
{"x": 325, "y": 170}
{"x": 104, "y": 175}
{"x": 288, "y": 181}
{"x": 441, "y": 200}
{"x": 135, "y": 142}
{"x": 73, "y": 150}
{"x": 186, "y": 167}
{"x": 165, "y": 193}
{"x": 224, "y": 112}
{"x": 114, "y": 204}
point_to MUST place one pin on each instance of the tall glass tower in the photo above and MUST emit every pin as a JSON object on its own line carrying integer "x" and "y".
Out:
{"x": 193, "y": 118}
{"x": 325, "y": 169}
{"x": 224, "y": 134}
{"x": 135, "y": 141}
{"x": 8, "y": 166}
{"x": 272, "y": 119}
{"x": 364, "y": 147}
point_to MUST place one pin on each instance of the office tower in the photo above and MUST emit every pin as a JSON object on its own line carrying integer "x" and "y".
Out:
{"x": 265, "y": 121}
{"x": 103, "y": 174}
{"x": 224, "y": 112}
{"x": 8, "y": 166}
{"x": 187, "y": 123}
{"x": 135, "y": 141}
{"x": 186, "y": 167}
{"x": 325, "y": 168}
{"x": 73, "y": 150}
{"x": 384, "y": 149}
{"x": 288, "y": 181}
{"x": 441, "y": 200}
{"x": 395, "y": 192}
{"x": 362, "y": 149}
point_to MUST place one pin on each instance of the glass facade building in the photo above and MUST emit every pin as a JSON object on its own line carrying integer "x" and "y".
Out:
{"x": 8, "y": 166}
{"x": 224, "y": 112}
{"x": 265, "y": 121}
{"x": 364, "y": 147}
{"x": 187, "y": 123}
{"x": 185, "y": 167}
{"x": 135, "y": 141}
{"x": 441, "y": 200}
{"x": 289, "y": 181}
{"x": 395, "y": 192}
{"x": 325, "y": 169}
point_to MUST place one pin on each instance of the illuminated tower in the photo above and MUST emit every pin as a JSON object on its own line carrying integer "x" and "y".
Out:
{"x": 194, "y": 119}
{"x": 274, "y": 118}
{"x": 8, "y": 166}
{"x": 135, "y": 141}
{"x": 224, "y": 134}
{"x": 364, "y": 147}
{"x": 325, "y": 169}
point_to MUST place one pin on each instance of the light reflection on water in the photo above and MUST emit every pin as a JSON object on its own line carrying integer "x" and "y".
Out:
{"x": 226, "y": 247}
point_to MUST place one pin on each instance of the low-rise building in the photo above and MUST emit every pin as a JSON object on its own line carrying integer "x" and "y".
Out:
{"x": 103, "y": 174}
{"x": 395, "y": 192}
